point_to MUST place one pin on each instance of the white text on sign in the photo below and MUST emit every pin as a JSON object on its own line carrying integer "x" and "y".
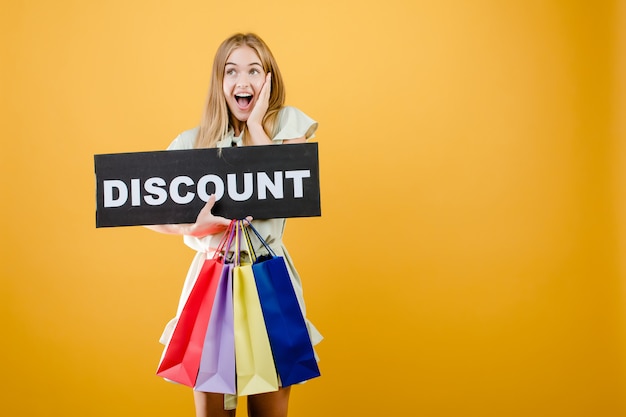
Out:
{"x": 155, "y": 190}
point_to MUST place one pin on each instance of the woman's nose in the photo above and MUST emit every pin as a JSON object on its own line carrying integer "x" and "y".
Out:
{"x": 242, "y": 82}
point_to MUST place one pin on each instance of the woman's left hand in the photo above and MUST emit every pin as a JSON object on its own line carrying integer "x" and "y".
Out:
{"x": 262, "y": 103}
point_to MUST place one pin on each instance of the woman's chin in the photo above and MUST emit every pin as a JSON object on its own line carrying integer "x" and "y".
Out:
{"x": 242, "y": 116}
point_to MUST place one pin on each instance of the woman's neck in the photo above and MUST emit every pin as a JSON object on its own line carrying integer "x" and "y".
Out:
{"x": 237, "y": 125}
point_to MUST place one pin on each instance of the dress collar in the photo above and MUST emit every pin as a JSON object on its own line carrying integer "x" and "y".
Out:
{"x": 230, "y": 140}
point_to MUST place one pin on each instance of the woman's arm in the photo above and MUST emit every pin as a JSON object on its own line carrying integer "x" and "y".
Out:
{"x": 297, "y": 140}
{"x": 206, "y": 224}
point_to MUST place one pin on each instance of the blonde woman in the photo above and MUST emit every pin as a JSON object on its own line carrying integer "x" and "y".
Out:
{"x": 245, "y": 106}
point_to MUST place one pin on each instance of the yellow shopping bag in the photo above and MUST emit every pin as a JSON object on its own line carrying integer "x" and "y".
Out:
{"x": 256, "y": 372}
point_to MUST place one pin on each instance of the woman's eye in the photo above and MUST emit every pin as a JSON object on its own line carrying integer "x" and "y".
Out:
{"x": 230, "y": 71}
{"x": 254, "y": 71}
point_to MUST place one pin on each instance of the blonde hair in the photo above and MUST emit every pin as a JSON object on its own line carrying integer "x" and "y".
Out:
{"x": 216, "y": 118}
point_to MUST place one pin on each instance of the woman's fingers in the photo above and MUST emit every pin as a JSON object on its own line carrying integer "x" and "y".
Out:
{"x": 267, "y": 87}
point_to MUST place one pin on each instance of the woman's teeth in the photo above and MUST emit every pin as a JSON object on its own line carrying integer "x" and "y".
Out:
{"x": 243, "y": 99}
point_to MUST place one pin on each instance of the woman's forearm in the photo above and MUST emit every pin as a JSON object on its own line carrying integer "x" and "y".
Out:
{"x": 257, "y": 135}
{"x": 171, "y": 229}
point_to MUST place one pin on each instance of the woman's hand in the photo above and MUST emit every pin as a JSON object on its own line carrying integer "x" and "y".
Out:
{"x": 206, "y": 223}
{"x": 262, "y": 102}
{"x": 255, "y": 120}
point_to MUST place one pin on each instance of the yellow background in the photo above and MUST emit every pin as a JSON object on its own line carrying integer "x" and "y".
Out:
{"x": 470, "y": 256}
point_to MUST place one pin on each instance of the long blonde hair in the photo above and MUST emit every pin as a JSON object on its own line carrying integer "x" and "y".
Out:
{"x": 216, "y": 117}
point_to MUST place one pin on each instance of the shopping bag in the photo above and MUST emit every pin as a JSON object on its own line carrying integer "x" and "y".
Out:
{"x": 287, "y": 330}
{"x": 217, "y": 365}
{"x": 256, "y": 372}
{"x": 181, "y": 360}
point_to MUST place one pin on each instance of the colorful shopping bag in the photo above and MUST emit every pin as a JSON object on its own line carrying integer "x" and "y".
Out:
{"x": 217, "y": 366}
{"x": 256, "y": 372}
{"x": 181, "y": 360}
{"x": 287, "y": 330}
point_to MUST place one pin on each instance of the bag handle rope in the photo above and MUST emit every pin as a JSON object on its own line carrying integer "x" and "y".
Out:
{"x": 258, "y": 235}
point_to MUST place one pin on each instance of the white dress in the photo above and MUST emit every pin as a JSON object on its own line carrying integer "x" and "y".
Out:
{"x": 292, "y": 124}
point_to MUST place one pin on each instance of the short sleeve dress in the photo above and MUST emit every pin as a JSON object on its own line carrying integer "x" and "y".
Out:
{"x": 292, "y": 124}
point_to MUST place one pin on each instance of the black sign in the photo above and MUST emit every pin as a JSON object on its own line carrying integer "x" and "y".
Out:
{"x": 162, "y": 187}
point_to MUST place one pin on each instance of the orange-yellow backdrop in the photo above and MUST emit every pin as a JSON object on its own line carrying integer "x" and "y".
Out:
{"x": 470, "y": 256}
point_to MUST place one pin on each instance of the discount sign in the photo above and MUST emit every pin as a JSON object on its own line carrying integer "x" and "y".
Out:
{"x": 162, "y": 187}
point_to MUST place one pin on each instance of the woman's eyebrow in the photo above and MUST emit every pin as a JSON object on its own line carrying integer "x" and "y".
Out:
{"x": 250, "y": 65}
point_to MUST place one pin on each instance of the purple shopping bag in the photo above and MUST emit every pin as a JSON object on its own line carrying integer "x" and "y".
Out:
{"x": 217, "y": 366}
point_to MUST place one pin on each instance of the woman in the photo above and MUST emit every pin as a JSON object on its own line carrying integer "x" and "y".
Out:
{"x": 245, "y": 107}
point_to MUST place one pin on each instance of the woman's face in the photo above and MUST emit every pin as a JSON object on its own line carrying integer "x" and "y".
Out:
{"x": 243, "y": 79}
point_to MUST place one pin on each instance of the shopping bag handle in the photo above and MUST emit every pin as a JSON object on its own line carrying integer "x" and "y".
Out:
{"x": 241, "y": 233}
{"x": 225, "y": 242}
{"x": 258, "y": 235}
{"x": 246, "y": 235}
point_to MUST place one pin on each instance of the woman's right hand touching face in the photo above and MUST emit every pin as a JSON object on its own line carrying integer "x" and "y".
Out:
{"x": 262, "y": 103}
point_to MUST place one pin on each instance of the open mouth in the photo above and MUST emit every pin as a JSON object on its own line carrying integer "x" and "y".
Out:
{"x": 243, "y": 100}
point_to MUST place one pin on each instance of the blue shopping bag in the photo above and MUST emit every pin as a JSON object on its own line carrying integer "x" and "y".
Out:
{"x": 286, "y": 328}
